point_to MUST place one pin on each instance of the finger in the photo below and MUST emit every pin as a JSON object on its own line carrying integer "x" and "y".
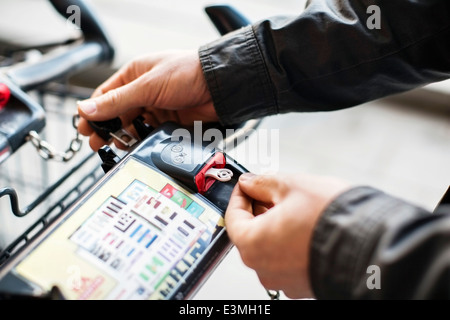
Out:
{"x": 239, "y": 214}
{"x": 269, "y": 189}
{"x": 95, "y": 142}
{"x": 113, "y": 103}
{"x": 124, "y": 75}
{"x": 260, "y": 207}
{"x": 167, "y": 115}
{"x": 113, "y": 82}
{"x": 84, "y": 128}
{"x": 130, "y": 72}
{"x": 152, "y": 119}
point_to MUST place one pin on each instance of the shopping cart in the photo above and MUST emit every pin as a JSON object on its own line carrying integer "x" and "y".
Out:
{"x": 32, "y": 169}
{"x": 39, "y": 120}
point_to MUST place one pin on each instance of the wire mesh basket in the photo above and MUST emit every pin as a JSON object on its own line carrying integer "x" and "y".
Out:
{"x": 44, "y": 188}
{"x": 37, "y": 181}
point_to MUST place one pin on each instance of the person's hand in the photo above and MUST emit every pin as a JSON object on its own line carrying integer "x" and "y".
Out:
{"x": 167, "y": 86}
{"x": 271, "y": 218}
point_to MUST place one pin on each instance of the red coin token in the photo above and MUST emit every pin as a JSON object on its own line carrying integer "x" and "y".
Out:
{"x": 5, "y": 94}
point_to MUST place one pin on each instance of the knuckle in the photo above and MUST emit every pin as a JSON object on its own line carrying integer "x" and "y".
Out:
{"x": 260, "y": 180}
{"x": 132, "y": 64}
{"x": 114, "y": 96}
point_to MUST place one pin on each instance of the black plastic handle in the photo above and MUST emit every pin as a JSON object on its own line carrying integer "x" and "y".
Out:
{"x": 226, "y": 18}
{"x": 89, "y": 22}
{"x": 96, "y": 48}
{"x": 105, "y": 128}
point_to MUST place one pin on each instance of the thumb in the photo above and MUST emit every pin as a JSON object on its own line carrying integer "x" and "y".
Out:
{"x": 264, "y": 188}
{"x": 113, "y": 103}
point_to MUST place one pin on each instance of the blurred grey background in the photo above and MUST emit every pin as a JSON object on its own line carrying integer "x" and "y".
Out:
{"x": 400, "y": 144}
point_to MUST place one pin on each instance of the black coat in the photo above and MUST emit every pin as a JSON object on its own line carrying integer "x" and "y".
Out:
{"x": 333, "y": 56}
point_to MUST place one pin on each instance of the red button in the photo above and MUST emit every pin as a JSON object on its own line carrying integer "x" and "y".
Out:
{"x": 5, "y": 94}
{"x": 203, "y": 184}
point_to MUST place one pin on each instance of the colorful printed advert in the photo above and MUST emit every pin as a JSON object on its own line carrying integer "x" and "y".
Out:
{"x": 135, "y": 238}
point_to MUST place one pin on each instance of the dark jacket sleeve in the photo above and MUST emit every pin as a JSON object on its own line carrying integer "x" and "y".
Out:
{"x": 327, "y": 58}
{"x": 366, "y": 228}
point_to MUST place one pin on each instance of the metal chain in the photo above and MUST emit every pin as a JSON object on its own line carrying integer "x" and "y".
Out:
{"x": 273, "y": 294}
{"x": 48, "y": 152}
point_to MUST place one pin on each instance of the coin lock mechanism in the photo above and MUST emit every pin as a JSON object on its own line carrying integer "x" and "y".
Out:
{"x": 198, "y": 167}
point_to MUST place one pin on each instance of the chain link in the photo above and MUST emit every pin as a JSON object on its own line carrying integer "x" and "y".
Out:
{"x": 48, "y": 152}
{"x": 273, "y": 294}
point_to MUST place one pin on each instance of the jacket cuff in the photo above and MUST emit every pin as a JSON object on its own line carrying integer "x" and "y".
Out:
{"x": 344, "y": 239}
{"x": 237, "y": 56}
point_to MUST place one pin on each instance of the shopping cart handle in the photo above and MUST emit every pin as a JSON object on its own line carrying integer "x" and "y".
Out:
{"x": 226, "y": 18}
{"x": 89, "y": 22}
{"x": 53, "y": 66}
{"x": 95, "y": 49}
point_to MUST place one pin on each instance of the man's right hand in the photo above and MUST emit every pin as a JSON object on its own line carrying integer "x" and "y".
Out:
{"x": 271, "y": 220}
{"x": 167, "y": 86}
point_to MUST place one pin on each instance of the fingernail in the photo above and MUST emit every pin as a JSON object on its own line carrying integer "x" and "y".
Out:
{"x": 246, "y": 176}
{"x": 88, "y": 106}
